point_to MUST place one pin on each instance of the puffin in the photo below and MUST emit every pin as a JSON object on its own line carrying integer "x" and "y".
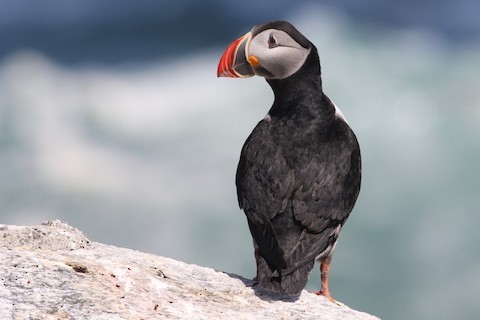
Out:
{"x": 299, "y": 172}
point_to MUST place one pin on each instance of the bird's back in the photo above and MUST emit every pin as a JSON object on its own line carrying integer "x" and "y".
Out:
{"x": 297, "y": 180}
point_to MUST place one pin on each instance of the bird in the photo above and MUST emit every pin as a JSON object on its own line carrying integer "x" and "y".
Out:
{"x": 299, "y": 172}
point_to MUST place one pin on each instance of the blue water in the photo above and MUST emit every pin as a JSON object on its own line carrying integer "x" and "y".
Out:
{"x": 123, "y": 130}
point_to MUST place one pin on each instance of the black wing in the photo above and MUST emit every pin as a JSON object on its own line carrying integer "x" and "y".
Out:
{"x": 296, "y": 194}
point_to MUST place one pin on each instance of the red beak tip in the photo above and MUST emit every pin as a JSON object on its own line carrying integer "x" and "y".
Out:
{"x": 226, "y": 65}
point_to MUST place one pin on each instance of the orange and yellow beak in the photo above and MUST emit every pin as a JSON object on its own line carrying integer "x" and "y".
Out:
{"x": 235, "y": 62}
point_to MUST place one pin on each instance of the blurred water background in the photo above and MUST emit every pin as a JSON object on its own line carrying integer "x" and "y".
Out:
{"x": 112, "y": 119}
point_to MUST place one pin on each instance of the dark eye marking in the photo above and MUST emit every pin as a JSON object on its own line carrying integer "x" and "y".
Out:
{"x": 272, "y": 43}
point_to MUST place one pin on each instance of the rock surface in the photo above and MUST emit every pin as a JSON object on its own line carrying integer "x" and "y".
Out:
{"x": 52, "y": 271}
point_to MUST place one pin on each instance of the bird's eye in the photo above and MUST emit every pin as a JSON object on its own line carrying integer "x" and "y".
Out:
{"x": 271, "y": 42}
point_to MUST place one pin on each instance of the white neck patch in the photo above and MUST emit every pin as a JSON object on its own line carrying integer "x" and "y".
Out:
{"x": 338, "y": 112}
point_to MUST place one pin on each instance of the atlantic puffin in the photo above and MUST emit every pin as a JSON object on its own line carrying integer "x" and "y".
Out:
{"x": 299, "y": 172}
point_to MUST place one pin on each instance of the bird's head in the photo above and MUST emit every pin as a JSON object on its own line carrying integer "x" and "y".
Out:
{"x": 274, "y": 50}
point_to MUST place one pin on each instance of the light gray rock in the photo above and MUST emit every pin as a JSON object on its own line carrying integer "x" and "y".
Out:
{"x": 53, "y": 271}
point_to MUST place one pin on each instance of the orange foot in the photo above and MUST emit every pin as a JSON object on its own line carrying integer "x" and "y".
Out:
{"x": 327, "y": 295}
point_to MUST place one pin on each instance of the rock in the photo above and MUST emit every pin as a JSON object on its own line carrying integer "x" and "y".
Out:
{"x": 53, "y": 271}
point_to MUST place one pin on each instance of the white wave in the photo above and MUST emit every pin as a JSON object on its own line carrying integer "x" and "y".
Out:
{"x": 56, "y": 110}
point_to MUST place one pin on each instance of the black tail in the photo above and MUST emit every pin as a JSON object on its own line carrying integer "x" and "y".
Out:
{"x": 292, "y": 283}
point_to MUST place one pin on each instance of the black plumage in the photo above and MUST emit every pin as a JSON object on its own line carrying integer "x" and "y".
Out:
{"x": 298, "y": 176}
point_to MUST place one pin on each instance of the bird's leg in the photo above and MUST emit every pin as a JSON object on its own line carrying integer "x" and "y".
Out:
{"x": 256, "y": 252}
{"x": 324, "y": 269}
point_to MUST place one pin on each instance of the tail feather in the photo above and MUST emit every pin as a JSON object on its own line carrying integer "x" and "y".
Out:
{"x": 291, "y": 284}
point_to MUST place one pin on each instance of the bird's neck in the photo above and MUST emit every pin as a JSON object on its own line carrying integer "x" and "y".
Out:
{"x": 301, "y": 94}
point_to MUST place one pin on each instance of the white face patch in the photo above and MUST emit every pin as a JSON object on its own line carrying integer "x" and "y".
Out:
{"x": 277, "y": 53}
